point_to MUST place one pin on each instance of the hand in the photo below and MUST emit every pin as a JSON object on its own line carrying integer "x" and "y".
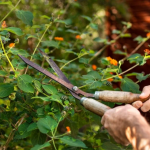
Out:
{"x": 118, "y": 119}
{"x": 144, "y": 95}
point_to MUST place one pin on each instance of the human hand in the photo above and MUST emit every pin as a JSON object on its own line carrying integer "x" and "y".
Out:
{"x": 144, "y": 95}
{"x": 118, "y": 119}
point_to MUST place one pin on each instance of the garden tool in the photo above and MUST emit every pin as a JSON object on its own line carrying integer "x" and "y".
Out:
{"x": 87, "y": 101}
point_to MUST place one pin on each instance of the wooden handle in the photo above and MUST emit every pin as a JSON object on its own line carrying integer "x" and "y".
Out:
{"x": 94, "y": 106}
{"x": 118, "y": 96}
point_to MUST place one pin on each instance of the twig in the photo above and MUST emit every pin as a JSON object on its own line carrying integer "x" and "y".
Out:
{"x": 135, "y": 50}
{"x": 10, "y": 11}
{"x": 112, "y": 76}
{"x": 6, "y": 55}
{"x": 103, "y": 48}
{"x": 10, "y": 137}
{"x": 122, "y": 72}
{"x": 38, "y": 44}
{"x": 72, "y": 60}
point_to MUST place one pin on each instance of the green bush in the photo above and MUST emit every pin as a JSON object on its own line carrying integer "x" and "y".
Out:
{"x": 35, "y": 111}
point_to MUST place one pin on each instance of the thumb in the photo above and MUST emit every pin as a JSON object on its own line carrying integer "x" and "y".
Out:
{"x": 145, "y": 93}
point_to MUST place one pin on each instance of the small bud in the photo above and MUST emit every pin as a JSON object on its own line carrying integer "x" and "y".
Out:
{"x": 17, "y": 40}
{"x": 8, "y": 35}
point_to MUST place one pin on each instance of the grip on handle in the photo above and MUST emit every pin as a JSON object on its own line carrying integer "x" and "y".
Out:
{"x": 94, "y": 106}
{"x": 117, "y": 96}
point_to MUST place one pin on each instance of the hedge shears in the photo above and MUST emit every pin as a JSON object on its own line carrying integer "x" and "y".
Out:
{"x": 87, "y": 100}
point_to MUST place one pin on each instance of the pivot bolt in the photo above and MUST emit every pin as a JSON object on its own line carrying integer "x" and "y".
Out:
{"x": 75, "y": 88}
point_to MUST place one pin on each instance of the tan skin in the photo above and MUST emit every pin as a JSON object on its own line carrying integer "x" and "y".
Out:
{"x": 126, "y": 125}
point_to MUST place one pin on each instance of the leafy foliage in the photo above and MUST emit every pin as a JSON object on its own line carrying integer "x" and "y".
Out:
{"x": 35, "y": 110}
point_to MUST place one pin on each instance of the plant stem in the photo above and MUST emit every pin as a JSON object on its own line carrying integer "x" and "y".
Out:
{"x": 135, "y": 50}
{"x": 98, "y": 53}
{"x": 72, "y": 60}
{"x": 54, "y": 31}
{"x": 53, "y": 141}
{"x": 38, "y": 44}
{"x": 121, "y": 73}
{"x": 112, "y": 76}
{"x": 103, "y": 48}
{"x": 10, "y": 12}
{"x": 11, "y": 135}
{"x": 6, "y": 55}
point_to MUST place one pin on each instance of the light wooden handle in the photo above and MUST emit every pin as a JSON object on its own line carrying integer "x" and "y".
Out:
{"x": 117, "y": 96}
{"x": 94, "y": 106}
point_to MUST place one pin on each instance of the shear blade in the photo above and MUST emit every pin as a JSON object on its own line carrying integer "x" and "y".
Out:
{"x": 58, "y": 71}
{"x": 62, "y": 82}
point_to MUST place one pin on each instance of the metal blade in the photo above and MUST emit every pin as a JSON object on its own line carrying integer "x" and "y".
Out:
{"x": 62, "y": 82}
{"x": 58, "y": 71}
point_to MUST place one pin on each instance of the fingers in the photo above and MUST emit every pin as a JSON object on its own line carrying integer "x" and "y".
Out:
{"x": 145, "y": 93}
{"x": 146, "y": 106}
{"x": 137, "y": 104}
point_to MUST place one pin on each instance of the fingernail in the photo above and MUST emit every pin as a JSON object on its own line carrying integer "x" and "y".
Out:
{"x": 138, "y": 105}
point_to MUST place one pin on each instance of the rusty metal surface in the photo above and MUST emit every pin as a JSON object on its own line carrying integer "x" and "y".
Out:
{"x": 59, "y": 72}
{"x": 57, "y": 79}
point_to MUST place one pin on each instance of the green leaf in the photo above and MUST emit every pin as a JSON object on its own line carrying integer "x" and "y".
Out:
{"x": 132, "y": 74}
{"x": 82, "y": 52}
{"x": 73, "y": 142}
{"x": 111, "y": 70}
{"x": 46, "y": 17}
{"x": 73, "y": 31}
{"x": 30, "y": 36}
{"x": 94, "y": 26}
{"x": 116, "y": 31}
{"x": 49, "y": 89}
{"x": 128, "y": 24}
{"x": 46, "y": 124}
{"x": 5, "y": 39}
{"x": 25, "y": 16}
{"x": 66, "y": 22}
{"x": 125, "y": 35}
{"x": 109, "y": 145}
{"x": 87, "y": 18}
{"x": 38, "y": 147}
{"x": 37, "y": 138}
{"x": 6, "y": 3}
{"x": 38, "y": 85}
{"x": 14, "y": 30}
{"x": 141, "y": 77}
{"x": 19, "y": 51}
{"x": 136, "y": 58}
{"x": 3, "y": 73}
{"x": 120, "y": 52}
{"x": 40, "y": 112}
{"x": 6, "y": 89}
{"x": 129, "y": 86}
{"x": 50, "y": 44}
{"x": 84, "y": 60}
{"x": 100, "y": 40}
{"x": 92, "y": 75}
{"x": 24, "y": 83}
{"x": 22, "y": 130}
{"x": 55, "y": 98}
{"x": 47, "y": 99}
{"x": 95, "y": 84}
{"x": 31, "y": 127}
{"x": 139, "y": 39}
{"x": 4, "y": 32}
{"x": 104, "y": 61}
